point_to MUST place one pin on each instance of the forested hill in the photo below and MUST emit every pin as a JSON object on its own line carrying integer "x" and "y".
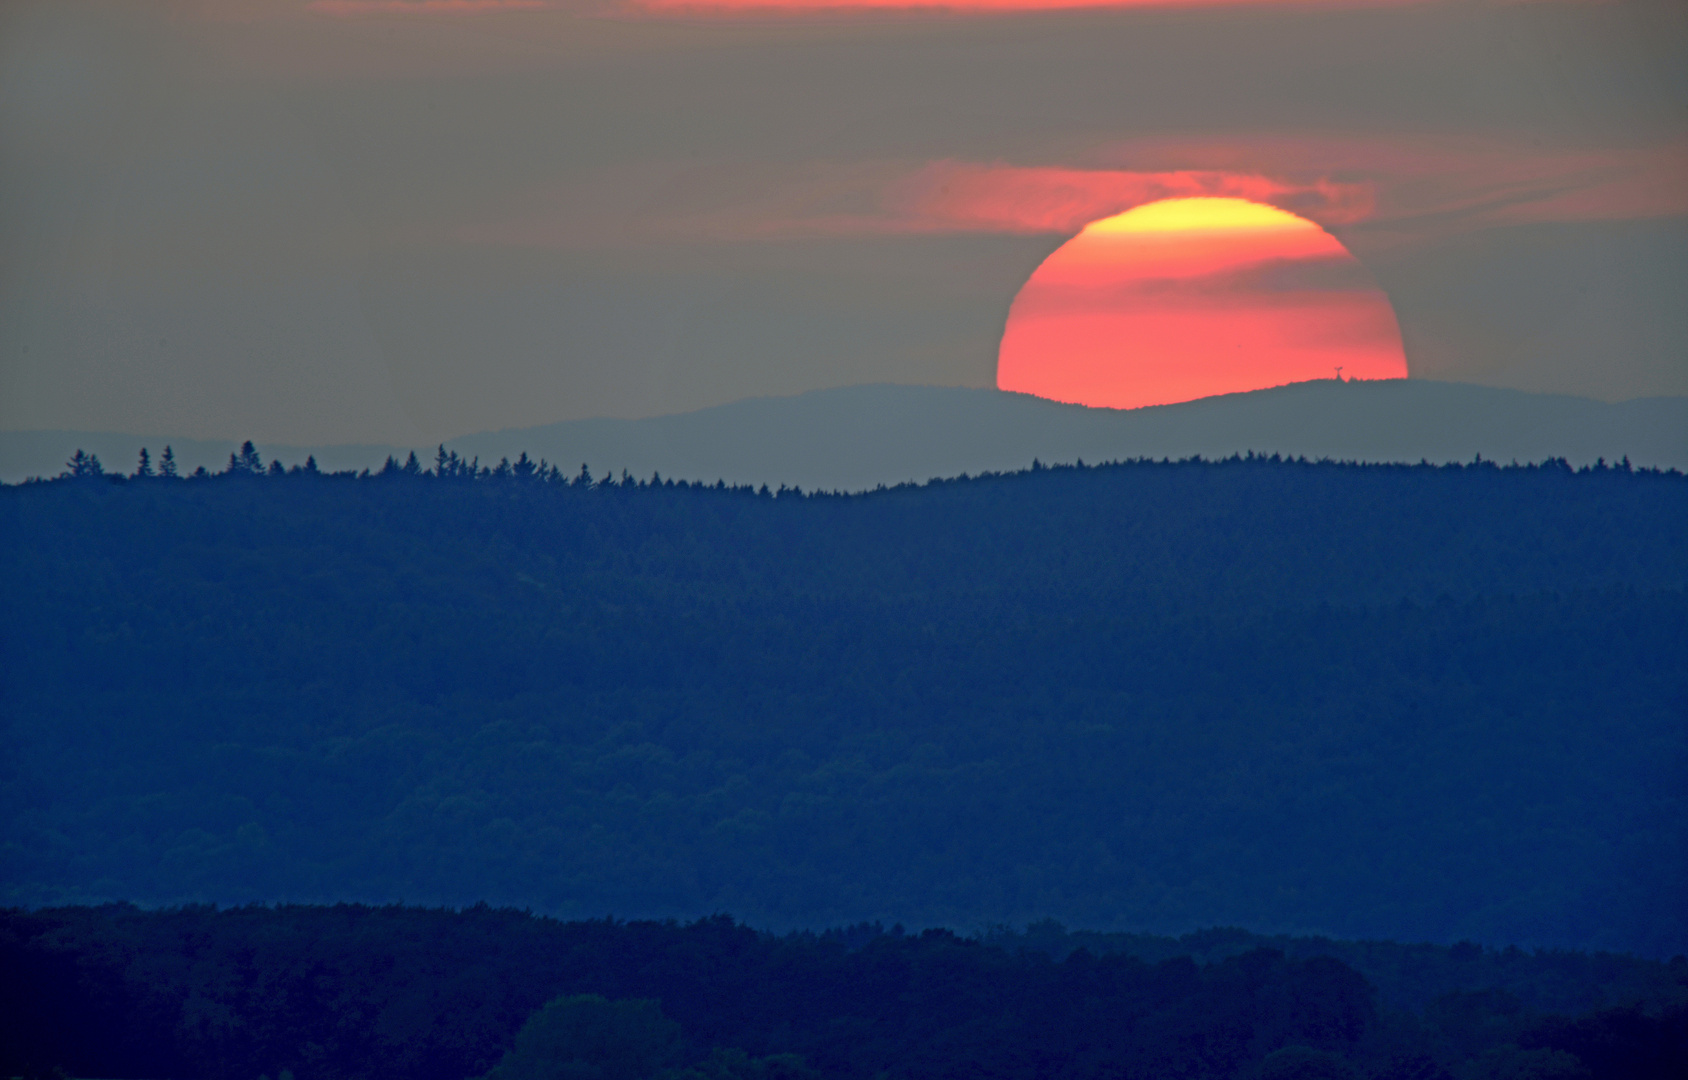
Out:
{"x": 1385, "y": 701}
{"x": 349, "y": 992}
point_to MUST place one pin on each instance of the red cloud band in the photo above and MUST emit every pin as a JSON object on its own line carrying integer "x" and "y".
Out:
{"x": 971, "y": 6}
{"x": 344, "y": 8}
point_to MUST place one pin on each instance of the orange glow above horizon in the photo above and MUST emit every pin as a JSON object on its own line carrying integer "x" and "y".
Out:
{"x": 1186, "y": 298}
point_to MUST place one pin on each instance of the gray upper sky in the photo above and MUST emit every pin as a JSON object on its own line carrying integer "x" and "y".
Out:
{"x": 394, "y": 221}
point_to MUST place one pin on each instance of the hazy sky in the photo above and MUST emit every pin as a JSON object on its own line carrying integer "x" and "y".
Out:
{"x": 405, "y": 220}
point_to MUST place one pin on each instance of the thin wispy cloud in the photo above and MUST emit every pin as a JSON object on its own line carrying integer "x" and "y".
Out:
{"x": 1003, "y": 198}
{"x": 726, "y": 202}
{"x": 1465, "y": 182}
{"x": 1424, "y": 187}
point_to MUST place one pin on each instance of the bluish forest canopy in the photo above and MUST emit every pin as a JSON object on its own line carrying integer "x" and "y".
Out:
{"x": 1418, "y": 703}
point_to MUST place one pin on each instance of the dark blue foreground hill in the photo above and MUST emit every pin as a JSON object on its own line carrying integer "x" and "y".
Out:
{"x": 1383, "y": 701}
{"x": 349, "y": 992}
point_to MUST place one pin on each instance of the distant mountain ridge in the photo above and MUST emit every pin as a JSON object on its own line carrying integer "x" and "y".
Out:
{"x": 856, "y": 437}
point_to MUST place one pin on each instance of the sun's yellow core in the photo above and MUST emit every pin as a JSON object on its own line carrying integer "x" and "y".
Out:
{"x": 1184, "y": 215}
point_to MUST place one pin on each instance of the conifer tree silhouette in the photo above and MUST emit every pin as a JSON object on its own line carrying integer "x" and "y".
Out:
{"x": 84, "y": 465}
{"x": 247, "y": 462}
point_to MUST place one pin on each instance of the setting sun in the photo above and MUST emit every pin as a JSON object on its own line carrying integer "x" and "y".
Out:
{"x": 1185, "y": 298}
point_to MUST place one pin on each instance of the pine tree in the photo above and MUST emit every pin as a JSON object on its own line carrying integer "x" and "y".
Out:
{"x": 144, "y": 468}
{"x": 84, "y": 465}
{"x": 167, "y": 463}
{"x": 245, "y": 463}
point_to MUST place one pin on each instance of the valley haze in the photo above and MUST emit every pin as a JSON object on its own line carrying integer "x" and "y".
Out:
{"x": 856, "y": 437}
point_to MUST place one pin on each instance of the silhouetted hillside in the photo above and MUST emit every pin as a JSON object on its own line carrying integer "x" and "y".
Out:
{"x": 1405, "y": 702}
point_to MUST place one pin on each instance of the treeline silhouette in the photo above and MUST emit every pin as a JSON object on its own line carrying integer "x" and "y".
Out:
{"x": 412, "y": 994}
{"x": 1409, "y": 702}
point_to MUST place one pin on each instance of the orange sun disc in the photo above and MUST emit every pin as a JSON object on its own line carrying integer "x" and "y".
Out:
{"x": 1185, "y": 298}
